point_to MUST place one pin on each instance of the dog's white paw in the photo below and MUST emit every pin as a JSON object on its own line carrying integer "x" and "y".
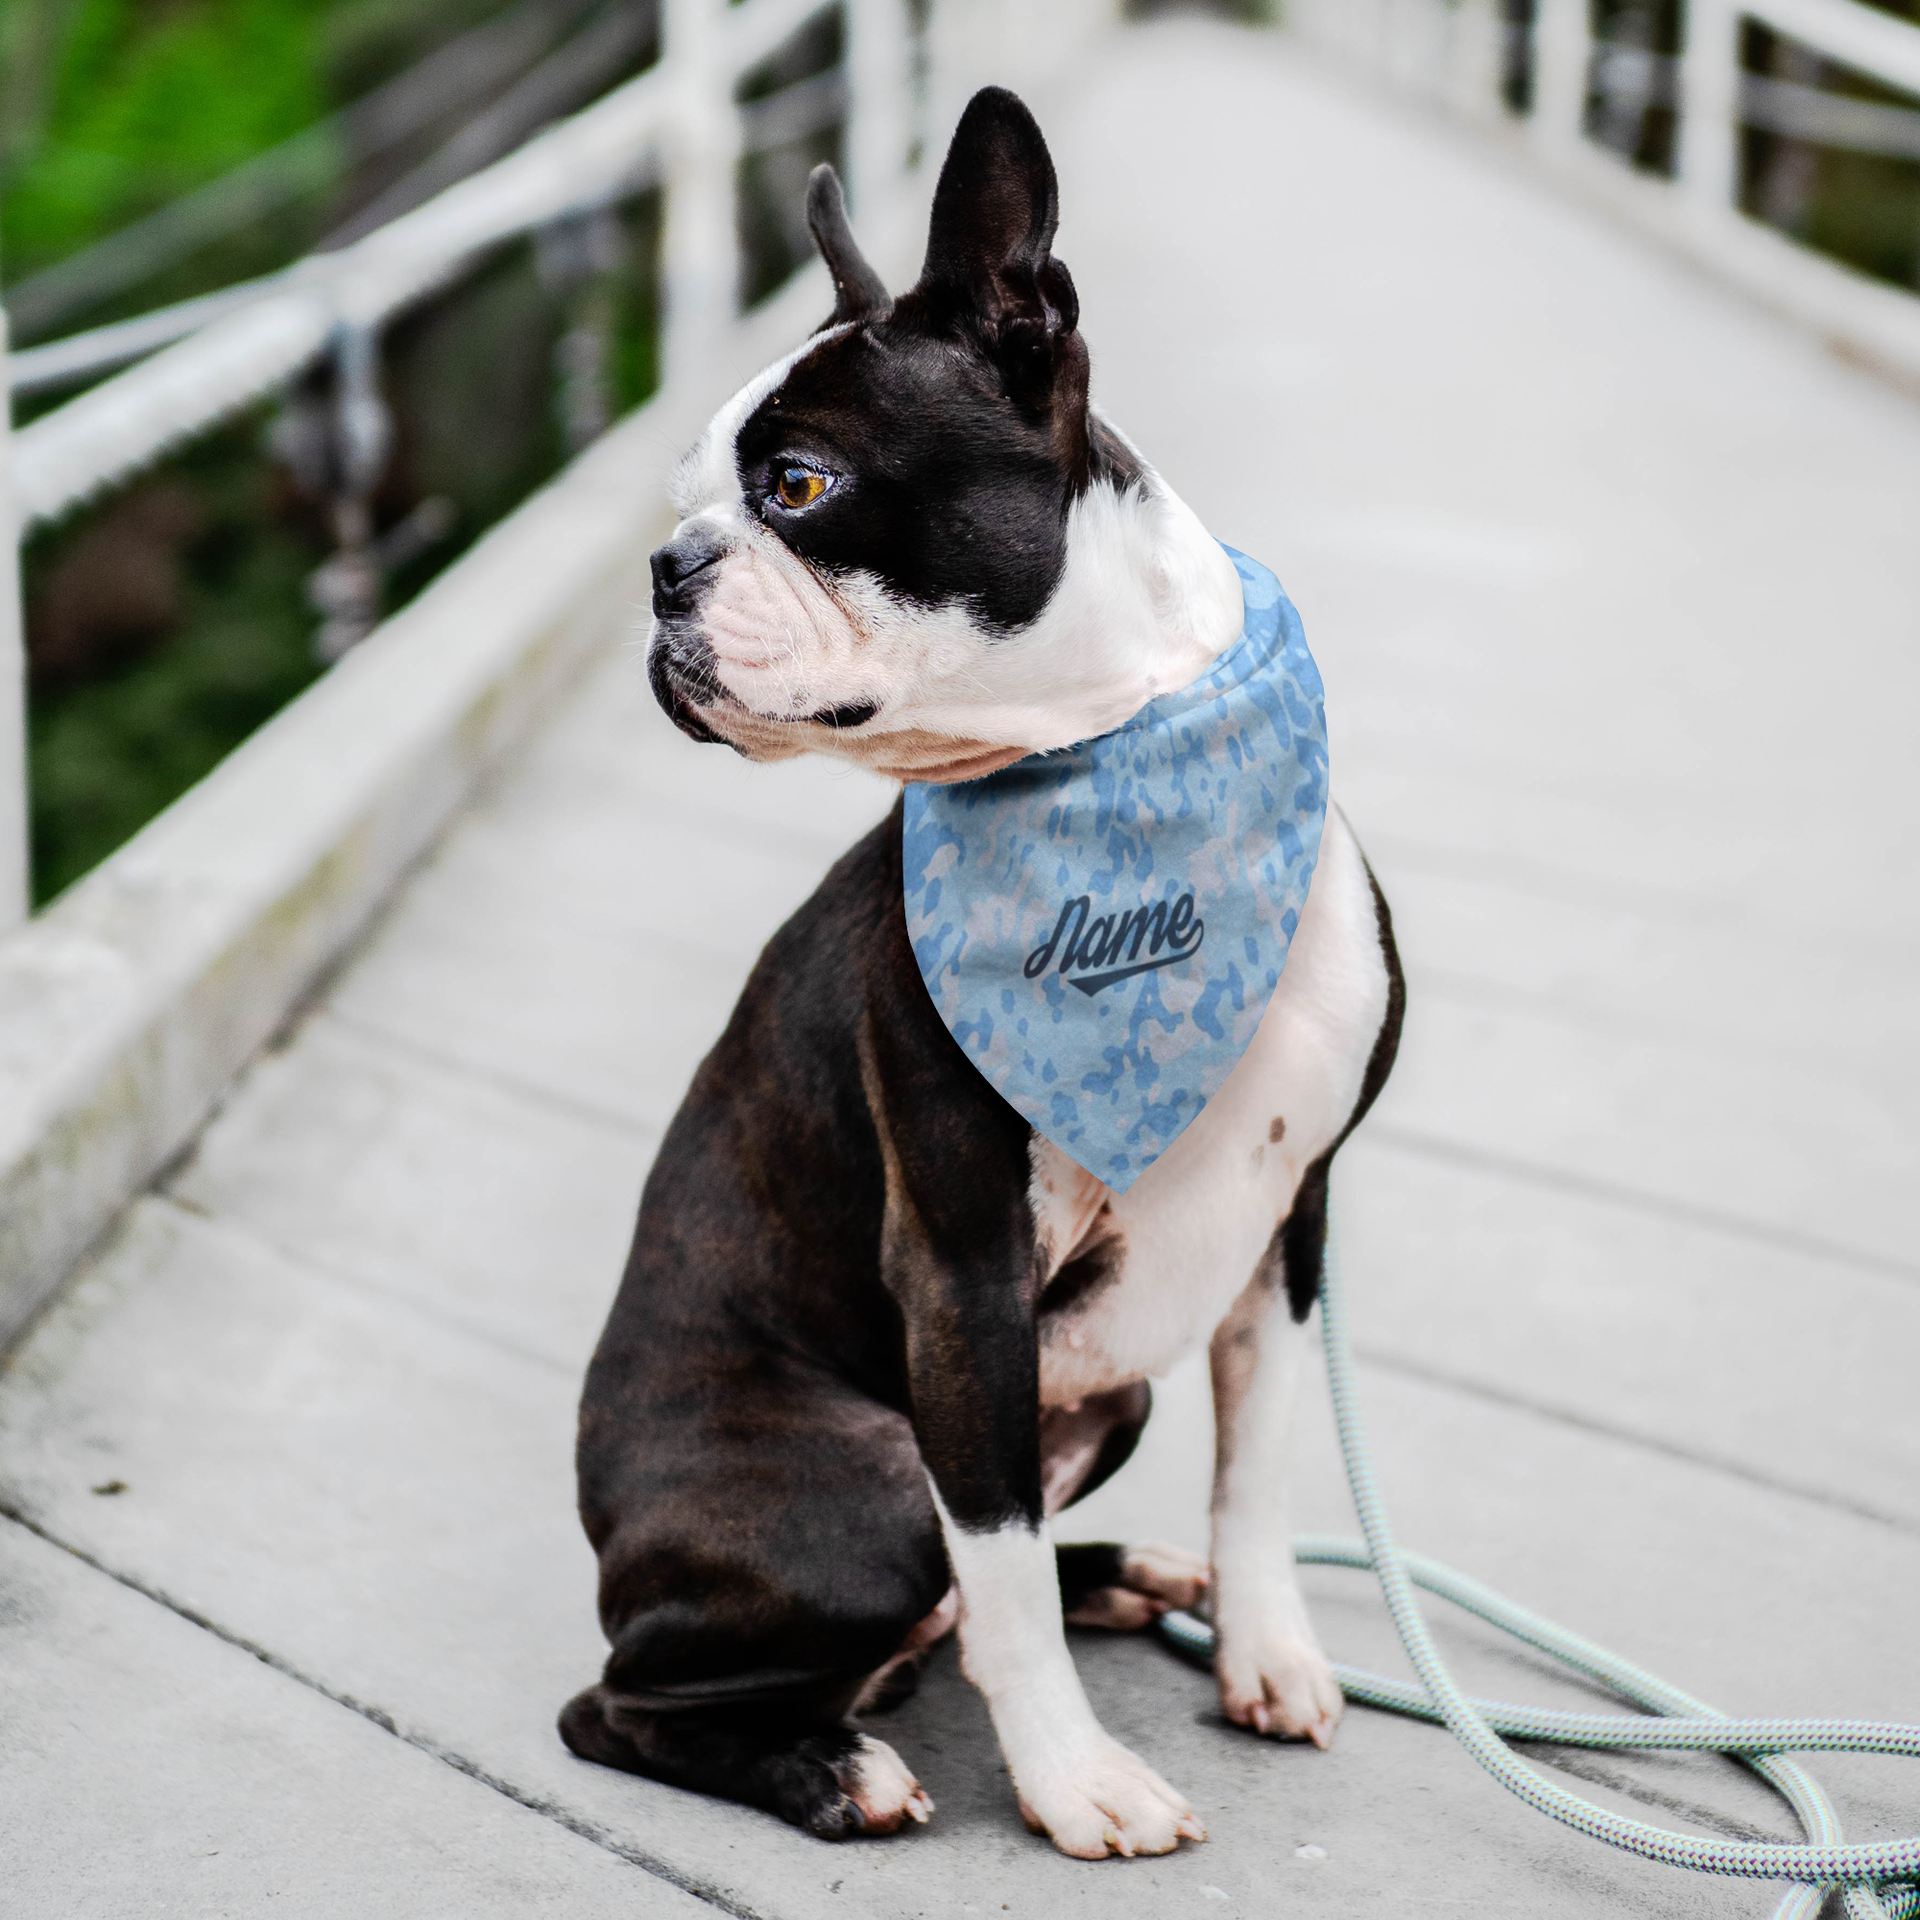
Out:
{"x": 882, "y": 1787}
{"x": 1108, "y": 1801}
{"x": 1278, "y": 1683}
{"x": 1153, "y": 1578}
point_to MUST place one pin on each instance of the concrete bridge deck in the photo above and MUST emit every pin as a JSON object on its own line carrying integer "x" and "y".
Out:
{"x": 1615, "y": 587}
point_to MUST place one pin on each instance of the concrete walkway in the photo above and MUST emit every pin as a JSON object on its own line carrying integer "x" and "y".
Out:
{"x": 1615, "y": 586}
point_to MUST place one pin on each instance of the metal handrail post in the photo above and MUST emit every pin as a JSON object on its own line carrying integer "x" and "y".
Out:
{"x": 1710, "y": 107}
{"x": 346, "y": 589}
{"x": 879, "y": 109}
{"x": 13, "y": 680}
{"x": 1562, "y": 51}
{"x": 1473, "y": 60}
{"x": 698, "y": 251}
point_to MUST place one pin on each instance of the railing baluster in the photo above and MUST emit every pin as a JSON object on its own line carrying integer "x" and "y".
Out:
{"x": 1562, "y": 51}
{"x": 699, "y": 254}
{"x": 13, "y": 680}
{"x": 1871, "y": 317}
{"x": 346, "y": 590}
{"x": 1473, "y": 66}
{"x": 1710, "y": 107}
{"x": 879, "y": 107}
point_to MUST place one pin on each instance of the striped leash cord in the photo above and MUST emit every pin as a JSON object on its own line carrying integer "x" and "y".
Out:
{"x": 1872, "y": 1876}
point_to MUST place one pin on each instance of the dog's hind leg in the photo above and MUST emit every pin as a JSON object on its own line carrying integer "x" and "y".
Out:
{"x": 756, "y": 1568}
{"x": 1107, "y": 1585}
{"x": 808, "y": 1767}
{"x": 1125, "y": 1588}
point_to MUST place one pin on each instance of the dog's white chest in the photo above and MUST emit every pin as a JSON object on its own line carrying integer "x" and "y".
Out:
{"x": 1136, "y": 1280}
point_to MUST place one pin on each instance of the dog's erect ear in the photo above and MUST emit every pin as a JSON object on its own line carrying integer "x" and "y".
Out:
{"x": 857, "y": 289}
{"x": 994, "y": 215}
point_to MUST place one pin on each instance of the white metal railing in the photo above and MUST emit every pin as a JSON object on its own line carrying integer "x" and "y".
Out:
{"x": 127, "y": 1008}
{"x": 1459, "y": 54}
{"x": 678, "y": 125}
{"x": 610, "y": 149}
{"x": 13, "y": 694}
{"x": 263, "y": 336}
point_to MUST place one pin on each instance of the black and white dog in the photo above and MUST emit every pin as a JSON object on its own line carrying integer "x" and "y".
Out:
{"x": 875, "y": 1329}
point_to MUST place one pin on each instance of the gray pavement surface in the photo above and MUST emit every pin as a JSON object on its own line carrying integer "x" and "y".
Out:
{"x": 1614, "y": 586}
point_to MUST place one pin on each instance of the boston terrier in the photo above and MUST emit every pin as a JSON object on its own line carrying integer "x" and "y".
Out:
{"x": 877, "y": 1326}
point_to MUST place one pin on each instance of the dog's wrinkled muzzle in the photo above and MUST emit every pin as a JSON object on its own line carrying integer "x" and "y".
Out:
{"x": 680, "y": 664}
{"x": 680, "y": 669}
{"x": 683, "y": 664}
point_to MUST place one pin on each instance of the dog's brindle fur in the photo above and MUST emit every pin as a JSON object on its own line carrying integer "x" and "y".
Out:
{"x": 874, "y": 1329}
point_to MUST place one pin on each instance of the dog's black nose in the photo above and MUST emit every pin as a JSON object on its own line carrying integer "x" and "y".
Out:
{"x": 680, "y": 570}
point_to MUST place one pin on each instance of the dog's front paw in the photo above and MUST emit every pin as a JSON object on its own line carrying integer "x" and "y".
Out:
{"x": 1108, "y": 1801}
{"x": 1153, "y": 1577}
{"x": 877, "y": 1794}
{"x": 1278, "y": 1683}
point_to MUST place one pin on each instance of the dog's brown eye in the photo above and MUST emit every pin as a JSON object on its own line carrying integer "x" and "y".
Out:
{"x": 799, "y": 486}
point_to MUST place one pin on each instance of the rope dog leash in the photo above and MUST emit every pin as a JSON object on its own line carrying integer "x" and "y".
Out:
{"x": 1869, "y": 1874}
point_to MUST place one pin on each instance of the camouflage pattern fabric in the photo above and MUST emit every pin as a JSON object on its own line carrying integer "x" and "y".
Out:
{"x": 1101, "y": 928}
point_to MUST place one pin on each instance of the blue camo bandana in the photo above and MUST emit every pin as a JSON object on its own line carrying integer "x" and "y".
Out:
{"x": 1101, "y": 928}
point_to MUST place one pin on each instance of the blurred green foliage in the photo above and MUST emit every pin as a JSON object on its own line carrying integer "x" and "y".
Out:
{"x": 109, "y": 747}
{"x": 169, "y": 620}
{"x": 188, "y": 587}
{"x": 111, "y": 108}
{"x": 135, "y": 104}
